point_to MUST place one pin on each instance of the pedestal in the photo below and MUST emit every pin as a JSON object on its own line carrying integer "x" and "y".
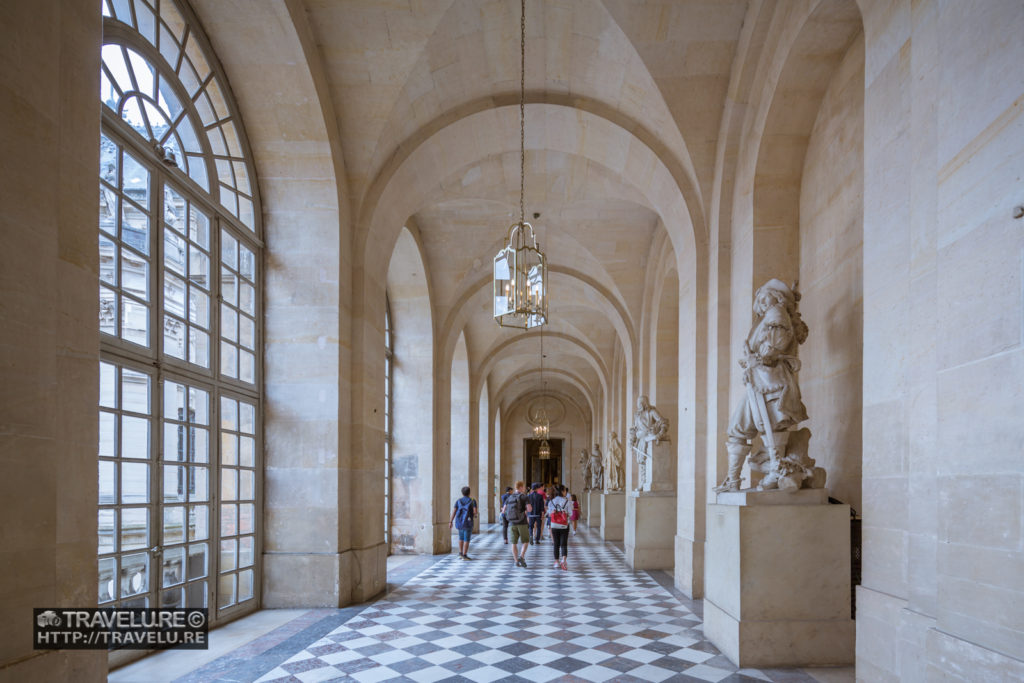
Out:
{"x": 663, "y": 468}
{"x": 650, "y": 529}
{"x": 613, "y": 515}
{"x": 584, "y": 507}
{"x": 593, "y": 509}
{"x": 777, "y": 579}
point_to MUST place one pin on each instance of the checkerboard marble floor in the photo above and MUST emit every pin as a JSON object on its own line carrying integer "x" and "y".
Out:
{"x": 488, "y": 620}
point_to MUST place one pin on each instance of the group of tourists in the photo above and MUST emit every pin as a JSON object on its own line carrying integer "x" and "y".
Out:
{"x": 545, "y": 512}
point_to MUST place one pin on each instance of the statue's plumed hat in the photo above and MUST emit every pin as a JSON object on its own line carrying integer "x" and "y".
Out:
{"x": 781, "y": 287}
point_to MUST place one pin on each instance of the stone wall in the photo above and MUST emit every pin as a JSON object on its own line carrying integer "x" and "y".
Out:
{"x": 49, "y": 339}
{"x": 831, "y": 278}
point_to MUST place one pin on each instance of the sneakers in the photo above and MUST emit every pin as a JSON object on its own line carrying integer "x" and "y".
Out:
{"x": 521, "y": 562}
{"x": 565, "y": 565}
{"x": 557, "y": 566}
{"x": 466, "y": 557}
{"x": 461, "y": 556}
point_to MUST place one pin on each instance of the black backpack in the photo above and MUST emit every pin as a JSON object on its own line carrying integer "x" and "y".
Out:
{"x": 515, "y": 509}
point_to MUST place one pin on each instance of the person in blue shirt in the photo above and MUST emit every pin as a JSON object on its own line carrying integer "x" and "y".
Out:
{"x": 462, "y": 518}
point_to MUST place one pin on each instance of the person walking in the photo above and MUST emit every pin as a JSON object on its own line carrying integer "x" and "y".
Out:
{"x": 558, "y": 513}
{"x": 516, "y": 510}
{"x": 504, "y": 519}
{"x": 462, "y": 518}
{"x": 575, "y": 516}
{"x": 536, "y": 514}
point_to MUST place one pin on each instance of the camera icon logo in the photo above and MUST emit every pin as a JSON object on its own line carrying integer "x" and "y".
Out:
{"x": 48, "y": 618}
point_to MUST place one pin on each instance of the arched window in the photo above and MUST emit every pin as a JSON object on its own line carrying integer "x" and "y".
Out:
{"x": 389, "y": 348}
{"x": 180, "y": 298}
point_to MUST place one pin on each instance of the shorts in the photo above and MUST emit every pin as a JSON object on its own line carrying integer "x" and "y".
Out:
{"x": 465, "y": 534}
{"x": 520, "y": 533}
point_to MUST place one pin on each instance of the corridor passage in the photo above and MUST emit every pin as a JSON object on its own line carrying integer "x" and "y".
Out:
{"x": 487, "y": 620}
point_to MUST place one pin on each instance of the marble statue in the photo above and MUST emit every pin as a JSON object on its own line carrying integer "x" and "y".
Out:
{"x": 585, "y": 468}
{"x": 649, "y": 428}
{"x": 596, "y": 469}
{"x": 616, "y": 466}
{"x": 772, "y": 406}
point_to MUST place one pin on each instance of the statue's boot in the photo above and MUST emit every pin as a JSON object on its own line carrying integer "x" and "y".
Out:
{"x": 738, "y": 452}
{"x": 771, "y": 481}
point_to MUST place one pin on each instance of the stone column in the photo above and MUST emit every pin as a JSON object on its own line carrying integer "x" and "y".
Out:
{"x": 777, "y": 590}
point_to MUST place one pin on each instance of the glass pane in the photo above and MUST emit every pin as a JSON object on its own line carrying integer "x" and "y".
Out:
{"x": 245, "y": 518}
{"x": 108, "y": 211}
{"x": 245, "y": 585}
{"x": 199, "y": 228}
{"x": 107, "y": 492}
{"x": 228, "y": 484}
{"x": 246, "y": 485}
{"x": 200, "y": 445}
{"x": 196, "y": 561}
{"x": 199, "y": 267}
{"x": 135, "y": 180}
{"x": 199, "y": 483}
{"x": 175, "y": 209}
{"x": 246, "y": 262}
{"x": 108, "y": 311}
{"x": 174, "y": 402}
{"x": 173, "y": 568}
{"x": 134, "y": 391}
{"x": 134, "y": 528}
{"x": 198, "y": 347}
{"x": 228, "y": 360}
{"x": 198, "y": 522}
{"x": 229, "y": 250}
{"x": 198, "y": 307}
{"x": 226, "y": 590}
{"x": 108, "y": 160}
{"x": 198, "y": 401}
{"x": 134, "y": 227}
{"x": 174, "y": 337}
{"x": 107, "y": 435}
{"x": 246, "y": 551}
{"x": 134, "y": 437}
{"x": 247, "y": 331}
{"x": 195, "y": 594}
{"x": 174, "y": 252}
{"x": 134, "y": 275}
{"x": 107, "y": 532}
{"x": 228, "y": 449}
{"x": 174, "y": 525}
{"x": 229, "y": 286}
{"x": 174, "y": 597}
{"x": 229, "y": 323}
{"x": 134, "y": 574}
{"x": 228, "y": 413}
{"x": 228, "y": 520}
{"x": 134, "y": 322}
{"x": 174, "y": 484}
{"x": 246, "y": 418}
{"x": 134, "y": 482}
{"x": 107, "y": 586}
{"x": 174, "y": 295}
{"x": 228, "y": 558}
{"x": 174, "y": 442}
{"x": 245, "y": 451}
{"x": 247, "y": 298}
{"x": 108, "y": 260}
{"x": 246, "y": 366}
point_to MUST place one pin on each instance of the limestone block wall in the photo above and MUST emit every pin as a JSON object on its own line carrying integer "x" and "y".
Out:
{"x": 943, "y": 342}
{"x": 831, "y": 278}
{"x": 49, "y": 339}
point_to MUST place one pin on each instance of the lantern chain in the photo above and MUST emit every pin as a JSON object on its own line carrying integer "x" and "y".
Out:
{"x": 522, "y": 111}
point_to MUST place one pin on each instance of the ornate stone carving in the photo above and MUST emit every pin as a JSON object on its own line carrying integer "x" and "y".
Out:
{"x": 649, "y": 427}
{"x": 585, "y": 468}
{"x": 596, "y": 468}
{"x": 616, "y": 465}
{"x": 772, "y": 406}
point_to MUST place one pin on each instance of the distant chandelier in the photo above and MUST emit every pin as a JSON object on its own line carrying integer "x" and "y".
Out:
{"x": 520, "y": 267}
{"x": 541, "y": 429}
{"x": 545, "y": 450}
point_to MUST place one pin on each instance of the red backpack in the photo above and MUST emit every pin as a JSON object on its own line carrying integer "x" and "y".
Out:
{"x": 559, "y": 517}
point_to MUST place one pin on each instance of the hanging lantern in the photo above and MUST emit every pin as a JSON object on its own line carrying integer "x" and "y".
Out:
{"x": 545, "y": 450}
{"x": 520, "y": 280}
{"x": 541, "y": 424}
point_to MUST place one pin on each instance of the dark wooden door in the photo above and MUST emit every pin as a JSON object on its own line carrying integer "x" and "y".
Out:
{"x": 545, "y": 471}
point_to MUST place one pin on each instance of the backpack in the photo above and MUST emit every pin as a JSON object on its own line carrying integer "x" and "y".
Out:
{"x": 559, "y": 517}
{"x": 464, "y": 513}
{"x": 515, "y": 509}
